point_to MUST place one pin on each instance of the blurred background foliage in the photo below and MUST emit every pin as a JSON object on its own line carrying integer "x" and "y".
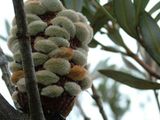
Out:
{"x": 109, "y": 20}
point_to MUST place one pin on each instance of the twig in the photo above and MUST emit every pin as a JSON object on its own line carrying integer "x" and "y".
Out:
{"x": 5, "y": 71}
{"x": 144, "y": 65}
{"x": 98, "y": 100}
{"x": 81, "y": 110}
{"x": 36, "y": 111}
{"x": 157, "y": 100}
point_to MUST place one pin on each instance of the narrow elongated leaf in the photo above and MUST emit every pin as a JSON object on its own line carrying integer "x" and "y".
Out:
{"x": 74, "y": 4}
{"x": 115, "y": 36}
{"x": 157, "y": 17}
{"x": 130, "y": 80}
{"x": 140, "y": 6}
{"x": 155, "y": 8}
{"x": 101, "y": 18}
{"x": 130, "y": 64}
{"x": 125, "y": 15}
{"x": 7, "y": 25}
{"x": 111, "y": 49}
{"x": 151, "y": 35}
{"x": 3, "y": 38}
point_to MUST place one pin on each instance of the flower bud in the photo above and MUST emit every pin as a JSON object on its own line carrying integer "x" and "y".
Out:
{"x": 46, "y": 77}
{"x": 72, "y": 88}
{"x": 16, "y": 76}
{"x": 34, "y": 7}
{"x": 39, "y": 58}
{"x": 52, "y": 91}
{"x": 36, "y": 27}
{"x": 56, "y": 31}
{"x": 44, "y": 46}
{"x": 52, "y": 5}
{"x": 15, "y": 66}
{"x": 59, "y": 66}
{"x": 60, "y": 42}
{"x": 62, "y": 52}
{"x": 65, "y": 23}
{"x": 79, "y": 58}
{"x": 21, "y": 85}
{"x": 77, "y": 73}
{"x": 85, "y": 83}
{"x": 72, "y": 15}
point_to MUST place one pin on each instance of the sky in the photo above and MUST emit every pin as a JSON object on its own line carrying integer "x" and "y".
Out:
{"x": 138, "y": 97}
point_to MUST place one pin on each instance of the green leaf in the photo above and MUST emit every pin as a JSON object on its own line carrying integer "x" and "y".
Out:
{"x": 125, "y": 15}
{"x": 93, "y": 43}
{"x": 3, "y": 38}
{"x": 74, "y": 4}
{"x": 7, "y": 25}
{"x": 130, "y": 80}
{"x": 101, "y": 18}
{"x": 115, "y": 36}
{"x": 151, "y": 36}
{"x": 130, "y": 64}
{"x": 111, "y": 49}
{"x": 140, "y": 6}
{"x": 155, "y": 8}
{"x": 157, "y": 17}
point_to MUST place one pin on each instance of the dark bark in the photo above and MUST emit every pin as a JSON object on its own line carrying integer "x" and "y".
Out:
{"x": 36, "y": 111}
{"x": 5, "y": 71}
{"x": 7, "y": 112}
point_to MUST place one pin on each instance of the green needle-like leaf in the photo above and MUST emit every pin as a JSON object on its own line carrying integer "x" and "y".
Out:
{"x": 130, "y": 80}
{"x": 126, "y": 16}
{"x": 151, "y": 36}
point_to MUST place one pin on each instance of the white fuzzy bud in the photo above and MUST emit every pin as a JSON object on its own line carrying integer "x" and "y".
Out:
{"x": 72, "y": 88}
{"x": 39, "y": 58}
{"x": 12, "y": 41}
{"x": 86, "y": 83}
{"x": 15, "y": 66}
{"x": 82, "y": 18}
{"x": 36, "y": 27}
{"x": 14, "y": 31}
{"x": 58, "y": 65}
{"x": 17, "y": 56}
{"x": 66, "y": 53}
{"x": 34, "y": 7}
{"x": 21, "y": 85}
{"x": 83, "y": 32}
{"x": 29, "y": 17}
{"x": 52, "y": 91}
{"x": 56, "y": 31}
{"x": 65, "y": 23}
{"x": 60, "y": 42}
{"x": 72, "y": 15}
{"x": 15, "y": 96}
{"x": 79, "y": 58}
{"x": 52, "y": 5}
{"x": 46, "y": 77}
{"x": 44, "y": 46}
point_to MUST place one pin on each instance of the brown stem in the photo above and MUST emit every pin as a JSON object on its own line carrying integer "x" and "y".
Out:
{"x": 5, "y": 71}
{"x": 81, "y": 110}
{"x": 98, "y": 100}
{"x": 144, "y": 65}
{"x": 35, "y": 106}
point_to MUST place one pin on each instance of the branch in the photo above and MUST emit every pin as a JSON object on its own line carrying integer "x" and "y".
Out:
{"x": 144, "y": 65}
{"x": 36, "y": 111}
{"x": 7, "y": 112}
{"x": 5, "y": 72}
{"x": 81, "y": 110}
{"x": 98, "y": 100}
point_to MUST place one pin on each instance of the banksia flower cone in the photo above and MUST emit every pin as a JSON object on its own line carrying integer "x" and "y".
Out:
{"x": 59, "y": 40}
